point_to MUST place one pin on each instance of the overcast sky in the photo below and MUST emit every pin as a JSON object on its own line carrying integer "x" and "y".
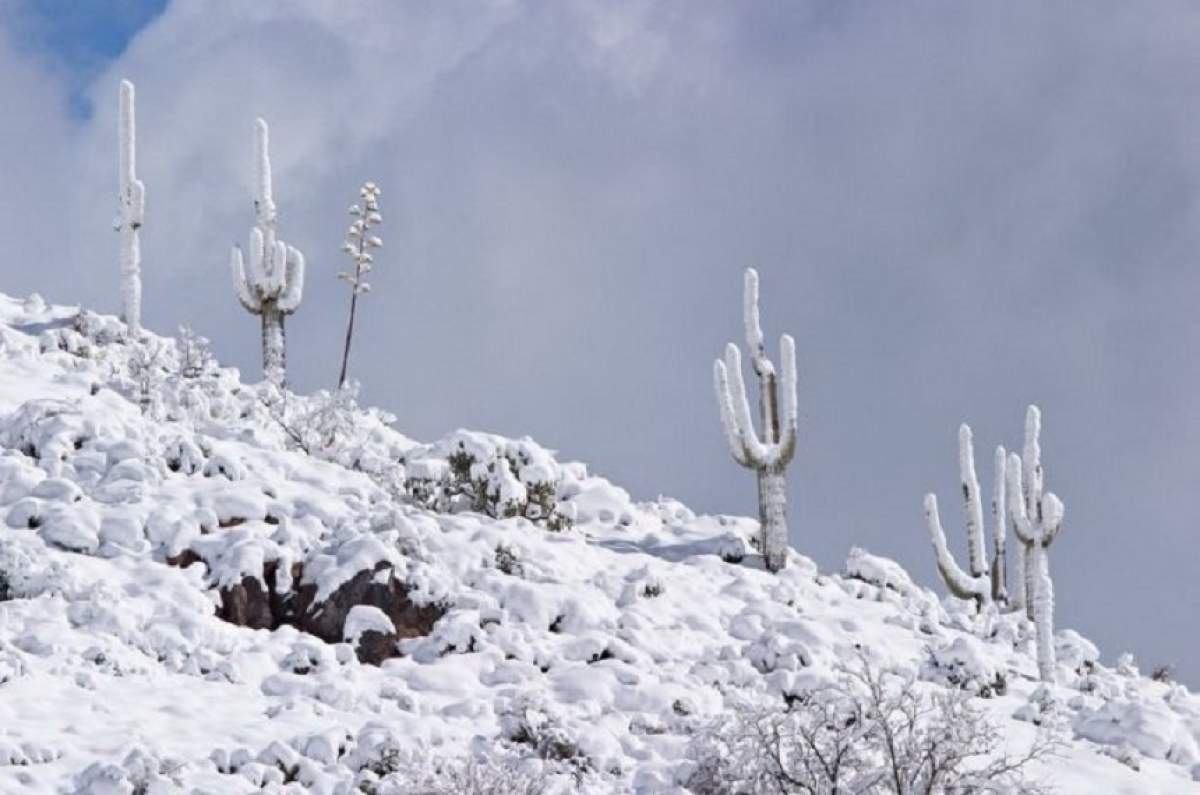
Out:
{"x": 956, "y": 209}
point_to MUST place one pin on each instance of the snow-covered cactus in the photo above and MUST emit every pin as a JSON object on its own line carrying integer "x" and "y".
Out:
{"x": 1037, "y": 517}
{"x": 131, "y": 210}
{"x": 770, "y": 455}
{"x": 980, "y": 582}
{"x": 359, "y": 241}
{"x": 273, "y": 284}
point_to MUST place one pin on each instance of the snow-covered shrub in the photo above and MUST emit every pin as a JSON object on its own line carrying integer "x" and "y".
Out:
{"x": 1149, "y": 725}
{"x": 490, "y": 475}
{"x": 869, "y": 731}
{"x": 193, "y": 356}
{"x": 965, "y": 664}
{"x": 526, "y": 720}
{"x": 331, "y": 426}
{"x": 147, "y": 371}
{"x": 141, "y": 772}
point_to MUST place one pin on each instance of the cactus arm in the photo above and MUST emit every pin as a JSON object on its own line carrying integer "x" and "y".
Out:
{"x": 958, "y": 582}
{"x": 1032, "y": 460}
{"x": 786, "y": 444}
{"x": 245, "y": 297}
{"x": 276, "y": 269}
{"x": 264, "y": 203}
{"x": 972, "y": 503}
{"x": 750, "y": 316}
{"x": 999, "y": 527}
{"x": 1021, "y": 524}
{"x": 289, "y": 299}
{"x": 1052, "y": 518}
{"x": 756, "y": 452}
{"x": 728, "y": 419}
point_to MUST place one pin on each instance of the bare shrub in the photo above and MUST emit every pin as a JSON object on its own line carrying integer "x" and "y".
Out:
{"x": 870, "y": 731}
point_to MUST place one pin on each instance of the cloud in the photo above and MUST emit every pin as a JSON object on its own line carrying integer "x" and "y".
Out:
{"x": 956, "y": 208}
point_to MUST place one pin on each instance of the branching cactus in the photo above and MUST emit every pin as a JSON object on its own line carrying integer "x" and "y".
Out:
{"x": 980, "y": 582}
{"x": 131, "y": 210}
{"x": 1037, "y": 517}
{"x": 273, "y": 283}
{"x": 767, "y": 456}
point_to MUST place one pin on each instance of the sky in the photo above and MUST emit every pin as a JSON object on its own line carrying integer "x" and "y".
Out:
{"x": 956, "y": 209}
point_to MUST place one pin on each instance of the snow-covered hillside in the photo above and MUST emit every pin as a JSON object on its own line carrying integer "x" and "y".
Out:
{"x": 209, "y": 587}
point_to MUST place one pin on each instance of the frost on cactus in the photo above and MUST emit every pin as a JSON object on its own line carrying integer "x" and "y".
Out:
{"x": 131, "y": 208}
{"x": 488, "y": 474}
{"x": 769, "y": 454}
{"x": 981, "y": 582}
{"x": 1037, "y": 517}
{"x": 271, "y": 284}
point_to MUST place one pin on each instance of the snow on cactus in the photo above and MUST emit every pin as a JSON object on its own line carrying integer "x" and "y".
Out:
{"x": 767, "y": 456}
{"x": 1037, "y": 517}
{"x": 981, "y": 582}
{"x": 131, "y": 209}
{"x": 272, "y": 283}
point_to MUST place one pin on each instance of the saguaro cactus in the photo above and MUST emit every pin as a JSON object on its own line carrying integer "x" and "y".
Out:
{"x": 273, "y": 284}
{"x": 770, "y": 455}
{"x": 980, "y": 582}
{"x": 131, "y": 210}
{"x": 1037, "y": 517}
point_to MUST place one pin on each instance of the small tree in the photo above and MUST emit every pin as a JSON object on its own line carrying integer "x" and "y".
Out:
{"x": 131, "y": 209}
{"x": 358, "y": 242}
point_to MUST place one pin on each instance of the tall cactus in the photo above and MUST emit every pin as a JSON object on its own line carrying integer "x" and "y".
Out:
{"x": 1037, "y": 517}
{"x": 131, "y": 210}
{"x": 768, "y": 456}
{"x": 273, "y": 284}
{"x": 980, "y": 582}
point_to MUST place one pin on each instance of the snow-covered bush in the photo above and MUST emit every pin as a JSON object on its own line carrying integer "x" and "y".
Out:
{"x": 500, "y": 477}
{"x": 965, "y": 663}
{"x": 869, "y": 731}
{"x": 769, "y": 455}
{"x": 272, "y": 283}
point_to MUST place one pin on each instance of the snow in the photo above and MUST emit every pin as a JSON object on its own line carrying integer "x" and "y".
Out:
{"x": 590, "y": 652}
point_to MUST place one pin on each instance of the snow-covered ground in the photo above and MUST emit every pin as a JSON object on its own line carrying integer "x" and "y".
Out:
{"x": 143, "y": 491}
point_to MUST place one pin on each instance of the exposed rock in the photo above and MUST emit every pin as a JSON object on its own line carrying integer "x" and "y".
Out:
{"x": 259, "y": 605}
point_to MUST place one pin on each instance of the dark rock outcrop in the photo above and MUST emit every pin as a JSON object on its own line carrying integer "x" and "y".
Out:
{"x": 257, "y": 603}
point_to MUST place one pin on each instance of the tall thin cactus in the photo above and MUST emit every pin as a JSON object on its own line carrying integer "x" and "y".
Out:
{"x": 770, "y": 455}
{"x": 273, "y": 284}
{"x": 131, "y": 210}
{"x": 1037, "y": 518}
{"x": 982, "y": 582}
